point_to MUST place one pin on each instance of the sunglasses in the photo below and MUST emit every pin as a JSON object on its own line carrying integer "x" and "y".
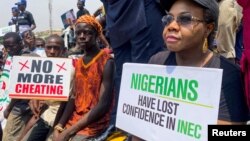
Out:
{"x": 183, "y": 19}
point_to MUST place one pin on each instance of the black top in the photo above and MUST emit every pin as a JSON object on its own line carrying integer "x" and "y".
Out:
{"x": 81, "y": 12}
{"x": 232, "y": 105}
{"x": 25, "y": 18}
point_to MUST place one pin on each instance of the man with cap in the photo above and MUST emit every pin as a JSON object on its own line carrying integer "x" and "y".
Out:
{"x": 15, "y": 13}
{"x": 25, "y": 19}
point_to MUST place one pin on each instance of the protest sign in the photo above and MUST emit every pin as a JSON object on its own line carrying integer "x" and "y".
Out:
{"x": 168, "y": 102}
{"x": 4, "y": 88}
{"x": 40, "y": 78}
{"x": 68, "y": 18}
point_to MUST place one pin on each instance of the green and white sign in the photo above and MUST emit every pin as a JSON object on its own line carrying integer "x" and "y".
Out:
{"x": 7, "y": 29}
{"x": 168, "y": 103}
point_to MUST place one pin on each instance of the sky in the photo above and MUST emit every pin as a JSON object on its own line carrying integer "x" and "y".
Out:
{"x": 40, "y": 11}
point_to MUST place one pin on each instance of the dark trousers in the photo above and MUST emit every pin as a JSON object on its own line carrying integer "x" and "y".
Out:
{"x": 1, "y": 132}
{"x": 239, "y": 43}
{"x": 39, "y": 131}
{"x": 140, "y": 48}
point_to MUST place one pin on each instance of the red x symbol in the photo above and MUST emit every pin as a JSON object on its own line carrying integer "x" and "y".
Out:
{"x": 61, "y": 67}
{"x": 23, "y": 65}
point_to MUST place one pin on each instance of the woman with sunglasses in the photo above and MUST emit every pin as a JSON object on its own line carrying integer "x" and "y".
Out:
{"x": 188, "y": 34}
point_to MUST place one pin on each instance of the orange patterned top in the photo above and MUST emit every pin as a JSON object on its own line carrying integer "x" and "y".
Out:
{"x": 88, "y": 79}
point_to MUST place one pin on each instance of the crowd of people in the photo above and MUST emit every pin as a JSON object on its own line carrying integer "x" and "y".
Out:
{"x": 195, "y": 33}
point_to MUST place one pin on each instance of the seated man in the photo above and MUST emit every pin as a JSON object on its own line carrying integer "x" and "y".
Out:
{"x": 87, "y": 113}
{"x": 17, "y": 112}
{"x": 54, "y": 47}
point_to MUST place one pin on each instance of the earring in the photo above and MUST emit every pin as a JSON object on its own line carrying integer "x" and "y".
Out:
{"x": 205, "y": 46}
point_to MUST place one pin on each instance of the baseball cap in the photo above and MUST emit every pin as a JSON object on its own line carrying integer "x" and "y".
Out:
{"x": 14, "y": 9}
{"x": 211, "y": 5}
{"x": 21, "y": 2}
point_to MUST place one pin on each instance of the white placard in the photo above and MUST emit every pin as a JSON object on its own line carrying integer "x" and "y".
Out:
{"x": 172, "y": 103}
{"x": 40, "y": 78}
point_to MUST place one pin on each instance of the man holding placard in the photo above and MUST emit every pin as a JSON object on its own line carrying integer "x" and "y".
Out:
{"x": 46, "y": 110}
